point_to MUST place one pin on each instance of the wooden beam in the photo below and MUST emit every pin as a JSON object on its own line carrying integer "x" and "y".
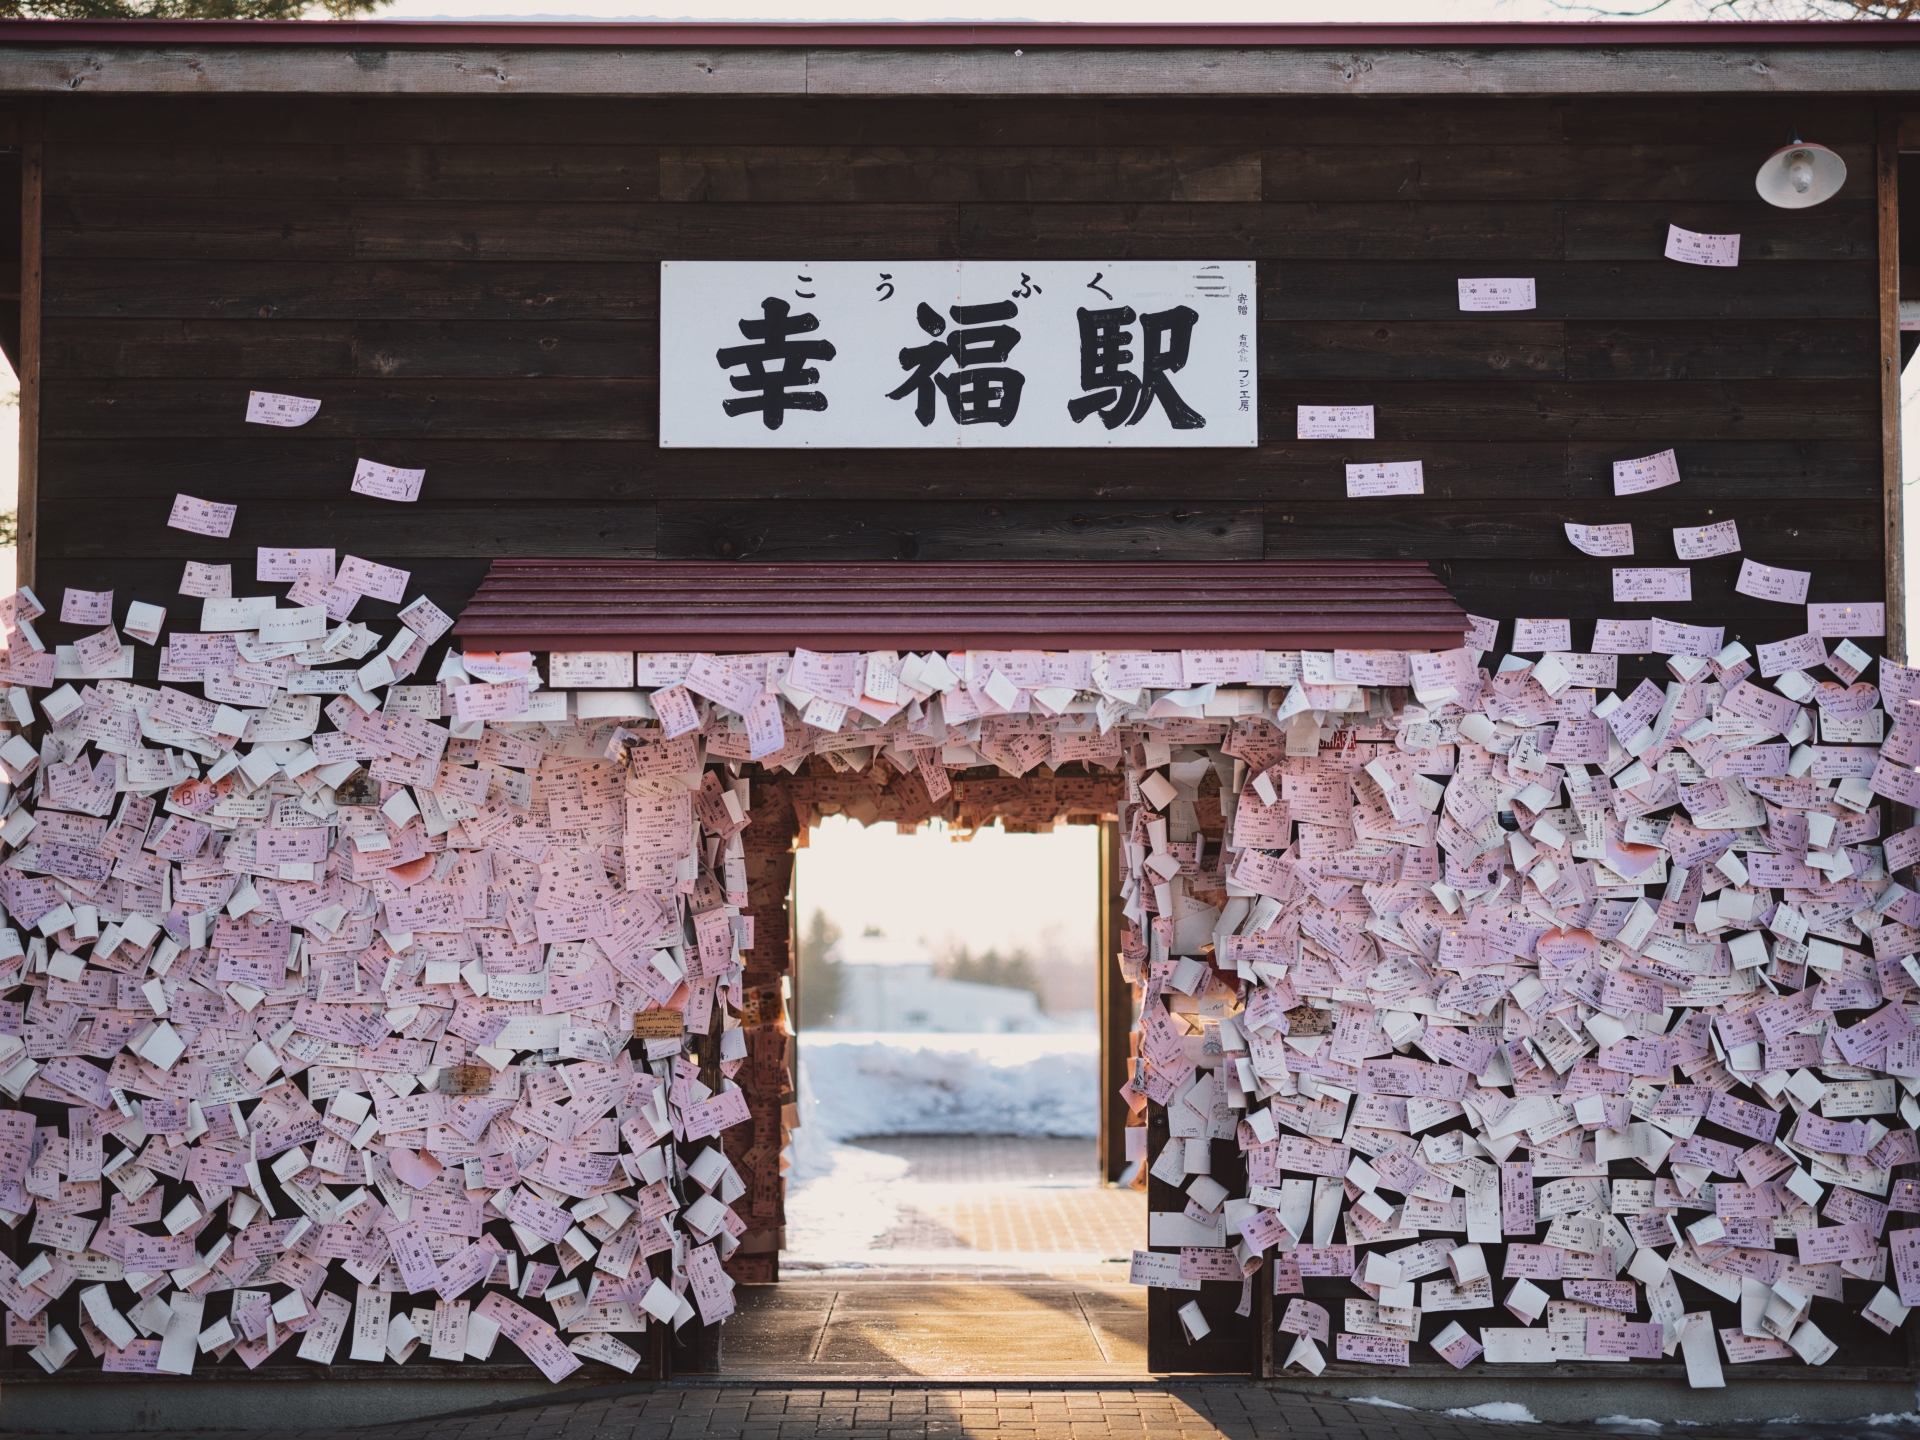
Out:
{"x": 1116, "y": 1010}
{"x": 975, "y": 71}
{"x": 32, "y": 169}
{"x": 1887, "y": 168}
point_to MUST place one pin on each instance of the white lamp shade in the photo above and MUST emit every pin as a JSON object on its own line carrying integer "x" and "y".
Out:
{"x": 1796, "y": 176}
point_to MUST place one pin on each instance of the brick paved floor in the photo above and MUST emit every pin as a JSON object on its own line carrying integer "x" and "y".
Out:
{"x": 1174, "y": 1411}
{"x": 806, "y": 1330}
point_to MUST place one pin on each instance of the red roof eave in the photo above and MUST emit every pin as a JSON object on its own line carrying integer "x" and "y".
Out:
{"x": 746, "y": 607}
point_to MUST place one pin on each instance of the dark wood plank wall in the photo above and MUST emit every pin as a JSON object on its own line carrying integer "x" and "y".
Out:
{"x": 472, "y": 287}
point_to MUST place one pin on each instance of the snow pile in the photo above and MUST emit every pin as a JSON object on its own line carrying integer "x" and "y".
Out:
{"x": 945, "y": 1085}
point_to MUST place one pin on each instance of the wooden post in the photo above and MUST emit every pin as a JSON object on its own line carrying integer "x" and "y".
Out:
{"x": 1116, "y": 1010}
{"x": 32, "y": 169}
{"x": 1887, "y": 171}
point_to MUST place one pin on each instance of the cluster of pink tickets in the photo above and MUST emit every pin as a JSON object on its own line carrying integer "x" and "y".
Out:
{"x": 335, "y": 1002}
{"x": 1554, "y": 1018}
{"x": 321, "y": 992}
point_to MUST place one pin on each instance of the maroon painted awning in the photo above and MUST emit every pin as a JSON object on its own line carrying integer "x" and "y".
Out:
{"x": 734, "y": 608}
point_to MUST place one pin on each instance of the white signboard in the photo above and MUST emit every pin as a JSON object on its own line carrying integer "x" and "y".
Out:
{"x": 1000, "y": 353}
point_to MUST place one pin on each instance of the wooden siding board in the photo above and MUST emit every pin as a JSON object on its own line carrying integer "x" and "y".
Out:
{"x": 1384, "y": 229}
{"x": 1270, "y": 121}
{"x": 792, "y": 174}
{"x": 1294, "y": 290}
{"x": 363, "y": 525}
{"x": 1783, "y": 532}
{"x": 1651, "y": 288}
{"x": 1719, "y": 350}
{"x": 903, "y": 120}
{"x": 1333, "y": 350}
{"x": 471, "y": 286}
{"x": 576, "y": 409}
{"x": 1719, "y": 476}
{"x": 1635, "y": 414}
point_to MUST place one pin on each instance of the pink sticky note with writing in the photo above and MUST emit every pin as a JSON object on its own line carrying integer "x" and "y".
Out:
{"x": 387, "y": 482}
{"x": 202, "y": 517}
{"x": 87, "y": 607}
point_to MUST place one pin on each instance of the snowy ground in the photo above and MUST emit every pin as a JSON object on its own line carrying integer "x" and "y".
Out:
{"x": 868, "y": 1084}
{"x": 841, "y": 1198}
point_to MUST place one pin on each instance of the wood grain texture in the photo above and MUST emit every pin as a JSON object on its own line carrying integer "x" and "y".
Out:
{"x": 1294, "y": 290}
{"x": 1617, "y": 290}
{"x": 1784, "y": 532}
{"x": 946, "y": 120}
{"x": 1363, "y": 71}
{"x": 365, "y": 525}
{"x": 280, "y": 464}
{"x": 1278, "y": 71}
{"x": 364, "y": 409}
{"x": 32, "y": 271}
{"x": 262, "y": 290}
{"x": 893, "y": 174}
{"x": 1371, "y": 229}
{"x": 1719, "y": 350}
{"x": 1630, "y": 413}
{"x": 1894, "y": 501}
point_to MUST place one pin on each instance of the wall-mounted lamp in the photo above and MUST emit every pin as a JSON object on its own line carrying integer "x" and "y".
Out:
{"x": 1800, "y": 174}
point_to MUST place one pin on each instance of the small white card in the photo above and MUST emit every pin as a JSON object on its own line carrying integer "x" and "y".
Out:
{"x": 1622, "y": 637}
{"x": 1335, "y": 422}
{"x": 1769, "y": 582}
{"x": 266, "y": 408}
{"x": 1649, "y": 472}
{"x": 384, "y": 482}
{"x": 1691, "y": 248}
{"x": 1641, "y": 586}
{"x": 1604, "y": 540}
{"x": 1496, "y": 295}
{"x": 1532, "y": 635}
{"x": 1703, "y": 542}
{"x": 1403, "y": 477}
{"x": 1841, "y": 620}
{"x": 202, "y": 517}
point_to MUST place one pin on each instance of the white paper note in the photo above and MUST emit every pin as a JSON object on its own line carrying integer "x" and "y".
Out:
{"x": 1496, "y": 295}
{"x": 1770, "y": 582}
{"x": 1650, "y": 472}
{"x": 386, "y": 482}
{"x": 202, "y": 517}
{"x": 1646, "y": 585}
{"x": 1703, "y": 542}
{"x": 1608, "y": 541}
{"x": 1692, "y": 248}
{"x": 266, "y": 408}
{"x": 1368, "y": 482}
{"x": 1335, "y": 422}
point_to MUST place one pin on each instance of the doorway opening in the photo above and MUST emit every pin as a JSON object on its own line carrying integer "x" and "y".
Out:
{"x": 948, "y": 1208}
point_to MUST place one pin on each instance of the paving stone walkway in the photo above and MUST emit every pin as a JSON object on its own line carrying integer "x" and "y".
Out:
{"x": 697, "y": 1411}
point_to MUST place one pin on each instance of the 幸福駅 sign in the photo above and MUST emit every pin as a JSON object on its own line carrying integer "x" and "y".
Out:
{"x": 992, "y": 353}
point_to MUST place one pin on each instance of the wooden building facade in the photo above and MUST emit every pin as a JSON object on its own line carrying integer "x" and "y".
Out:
{"x": 471, "y": 281}
{"x": 452, "y": 236}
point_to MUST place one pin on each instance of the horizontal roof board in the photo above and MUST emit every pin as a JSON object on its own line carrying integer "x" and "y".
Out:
{"x": 672, "y": 60}
{"x": 745, "y": 608}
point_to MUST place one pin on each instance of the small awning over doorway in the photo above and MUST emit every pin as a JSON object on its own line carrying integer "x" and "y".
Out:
{"x": 722, "y": 608}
